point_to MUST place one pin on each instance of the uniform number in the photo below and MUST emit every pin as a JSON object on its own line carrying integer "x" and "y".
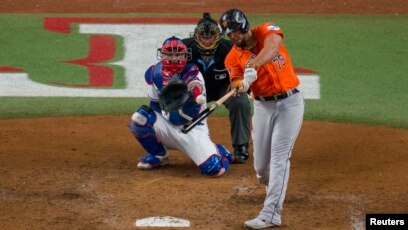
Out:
{"x": 280, "y": 61}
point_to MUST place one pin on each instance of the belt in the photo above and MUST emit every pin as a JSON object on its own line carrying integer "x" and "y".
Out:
{"x": 277, "y": 97}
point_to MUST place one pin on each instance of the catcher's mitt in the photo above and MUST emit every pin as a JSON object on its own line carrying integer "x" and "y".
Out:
{"x": 173, "y": 96}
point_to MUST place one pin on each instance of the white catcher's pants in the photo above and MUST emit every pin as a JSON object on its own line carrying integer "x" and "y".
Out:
{"x": 275, "y": 129}
{"x": 196, "y": 144}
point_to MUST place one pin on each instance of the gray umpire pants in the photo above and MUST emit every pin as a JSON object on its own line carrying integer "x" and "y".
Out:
{"x": 239, "y": 109}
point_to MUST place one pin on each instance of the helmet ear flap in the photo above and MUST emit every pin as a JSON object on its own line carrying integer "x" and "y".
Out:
{"x": 244, "y": 28}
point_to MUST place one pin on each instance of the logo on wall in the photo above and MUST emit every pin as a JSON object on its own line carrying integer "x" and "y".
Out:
{"x": 140, "y": 38}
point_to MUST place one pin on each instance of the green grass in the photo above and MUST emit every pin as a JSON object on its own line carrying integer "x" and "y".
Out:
{"x": 361, "y": 60}
{"x": 27, "y": 45}
{"x": 21, "y": 107}
{"x": 362, "y": 64}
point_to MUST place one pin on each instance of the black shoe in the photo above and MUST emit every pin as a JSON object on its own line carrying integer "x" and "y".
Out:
{"x": 241, "y": 153}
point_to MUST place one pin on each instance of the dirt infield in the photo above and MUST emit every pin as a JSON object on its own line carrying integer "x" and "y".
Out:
{"x": 80, "y": 172}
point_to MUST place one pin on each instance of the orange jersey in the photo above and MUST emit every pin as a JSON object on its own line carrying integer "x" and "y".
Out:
{"x": 274, "y": 77}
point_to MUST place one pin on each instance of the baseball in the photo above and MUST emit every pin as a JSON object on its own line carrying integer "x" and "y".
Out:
{"x": 200, "y": 99}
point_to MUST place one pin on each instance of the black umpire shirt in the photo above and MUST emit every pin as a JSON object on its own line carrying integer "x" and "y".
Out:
{"x": 215, "y": 75}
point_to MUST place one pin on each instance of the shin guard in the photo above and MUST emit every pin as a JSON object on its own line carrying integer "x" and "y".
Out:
{"x": 141, "y": 125}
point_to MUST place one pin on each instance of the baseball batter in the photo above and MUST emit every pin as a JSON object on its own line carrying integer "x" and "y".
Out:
{"x": 260, "y": 61}
{"x": 158, "y": 130}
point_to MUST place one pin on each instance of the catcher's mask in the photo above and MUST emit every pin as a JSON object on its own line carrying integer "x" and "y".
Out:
{"x": 174, "y": 55}
{"x": 207, "y": 35}
{"x": 234, "y": 20}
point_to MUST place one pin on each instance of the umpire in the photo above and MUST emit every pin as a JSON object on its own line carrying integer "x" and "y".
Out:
{"x": 209, "y": 50}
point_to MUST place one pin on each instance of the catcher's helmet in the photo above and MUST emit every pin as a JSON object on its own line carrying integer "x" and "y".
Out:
{"x": 234, "y": 20}
{"x": 207, "y": 35}
{"x": 174, "y": 55}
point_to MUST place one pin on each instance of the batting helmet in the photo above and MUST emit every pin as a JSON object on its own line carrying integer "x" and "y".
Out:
{"x": 207, "y": 35}
{"x": 174, "y": 55}
{"x": 234, "y": 20}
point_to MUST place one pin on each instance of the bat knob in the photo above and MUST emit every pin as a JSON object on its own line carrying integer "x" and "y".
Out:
{"x": 184, "y": 129}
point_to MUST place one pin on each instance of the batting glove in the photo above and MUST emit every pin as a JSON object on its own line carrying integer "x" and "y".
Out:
{"x": 250, "y": 75}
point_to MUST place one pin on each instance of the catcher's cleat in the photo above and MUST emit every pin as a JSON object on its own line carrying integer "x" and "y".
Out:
{"x": 241, "y": 153}
{"x": 150, "y": 161}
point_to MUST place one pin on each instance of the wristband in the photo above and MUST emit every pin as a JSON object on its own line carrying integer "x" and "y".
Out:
{"x": 252, "y": 65}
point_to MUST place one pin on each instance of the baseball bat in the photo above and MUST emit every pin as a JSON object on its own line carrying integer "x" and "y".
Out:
{"x": 205, "y": 113}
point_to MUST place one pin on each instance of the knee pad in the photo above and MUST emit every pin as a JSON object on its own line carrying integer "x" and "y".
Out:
{"x": 142, "y": 121}
{"x": 144, "y": 116}
{"x": 215, "y": 166}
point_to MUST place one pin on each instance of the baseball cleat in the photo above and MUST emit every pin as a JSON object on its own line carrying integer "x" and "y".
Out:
{"x": 259, "y": 224}
{"x": 150, "y": 161}
{"x": 241, "y": 153}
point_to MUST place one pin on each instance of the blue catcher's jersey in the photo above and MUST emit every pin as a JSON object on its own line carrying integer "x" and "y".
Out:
{"x": 190, "y": 74}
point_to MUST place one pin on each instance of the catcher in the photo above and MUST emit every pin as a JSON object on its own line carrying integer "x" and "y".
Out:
{"x": 177, "y": 94}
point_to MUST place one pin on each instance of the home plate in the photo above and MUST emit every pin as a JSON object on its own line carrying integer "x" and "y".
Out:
{"x": 162, "y": 221}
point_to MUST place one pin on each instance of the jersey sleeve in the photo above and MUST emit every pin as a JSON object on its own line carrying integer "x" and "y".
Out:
{"x": 266, "y": 29}
{"x": 233, "y": 65}
{"x": 152, "y": 93}
{"x": 149, "y": 74}
{"x": 191, "y": 74}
